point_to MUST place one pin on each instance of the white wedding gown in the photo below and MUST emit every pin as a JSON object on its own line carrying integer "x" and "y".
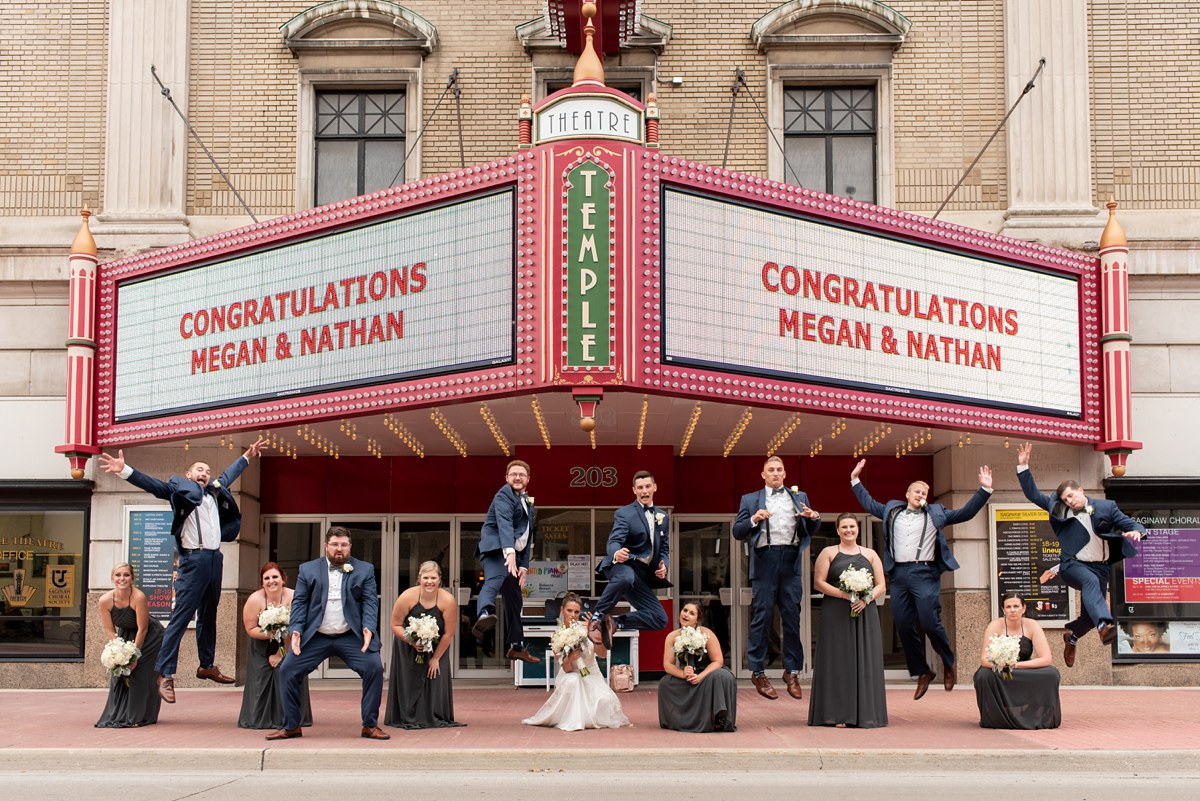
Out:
{"x": 581, "y": 702}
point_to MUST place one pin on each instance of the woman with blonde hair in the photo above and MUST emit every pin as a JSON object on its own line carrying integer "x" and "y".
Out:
{"x": 133, "y": 700}
{"x": 419, "y": 692}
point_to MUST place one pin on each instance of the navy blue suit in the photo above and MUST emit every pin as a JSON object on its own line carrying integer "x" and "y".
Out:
{"x": 1090, "y": 578}
{"x": 915, "y": 586}
{"x": 506, "y": 521}
{"x": 776, "y": 577}
{"x": 631, "y": 580}
{"x": 198, "y": 584}
{"x": 360, "y": 607}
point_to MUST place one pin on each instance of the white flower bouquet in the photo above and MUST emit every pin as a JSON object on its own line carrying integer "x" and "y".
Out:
{"x": 1003, "y": 652}
{"x": 274, "y": 620}
{"x": 425, "y": 633}
{"x": 689, "y": 644}
{"x": 119, "y": 657}
{"x": 857, "y": 582}
{"x": 567, "y": 640}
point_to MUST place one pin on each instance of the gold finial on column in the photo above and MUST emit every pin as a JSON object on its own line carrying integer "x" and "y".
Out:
{"x": 84, "y": 242}
{"x": 1114, "y": 234}
{"x": 589, "y": 68}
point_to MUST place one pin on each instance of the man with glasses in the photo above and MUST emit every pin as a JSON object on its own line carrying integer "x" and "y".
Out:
{"x": 505, "y": 544}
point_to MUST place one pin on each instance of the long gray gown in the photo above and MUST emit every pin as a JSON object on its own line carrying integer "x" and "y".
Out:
{"x": 262, "y": 705}
{"x": 1029, "y": 700}
{"x": 848, "y": 666}
{"x": 137, "y": 704}
{"x": 708, "y": 706}
{"x": 414, "y": 700}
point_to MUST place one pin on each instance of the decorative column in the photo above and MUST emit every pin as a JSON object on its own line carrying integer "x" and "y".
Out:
{"x": 1114, "y": 344}
{"x": 1049, "y": 135}
{"x": 145, "y": 141}
{"x": 81, "y": 351}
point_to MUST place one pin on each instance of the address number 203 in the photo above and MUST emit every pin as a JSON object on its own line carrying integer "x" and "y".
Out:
{"x": 593, "y": 476}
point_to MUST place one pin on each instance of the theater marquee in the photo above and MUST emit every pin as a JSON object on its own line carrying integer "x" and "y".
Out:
{"x": 767, "y": 293}
{"x": 425, "y": 293}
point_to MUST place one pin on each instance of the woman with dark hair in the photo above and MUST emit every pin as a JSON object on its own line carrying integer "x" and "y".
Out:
{"x": 582, "y": 698}
{"x": 125, "y": 612}
{"x": 848, "y": 665}
{"x": 697, "y": 694}
{"x": 262, "y": 705}
{"x": 419, "y": 692}
{"x": 1024, "y": 694}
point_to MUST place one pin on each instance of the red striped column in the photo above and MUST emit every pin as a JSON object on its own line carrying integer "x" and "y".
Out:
{"x": 1114, "y": 344}
{"x": 81, "y": 351}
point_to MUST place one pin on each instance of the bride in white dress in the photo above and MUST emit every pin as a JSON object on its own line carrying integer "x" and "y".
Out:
{"x": 582, "y": 698}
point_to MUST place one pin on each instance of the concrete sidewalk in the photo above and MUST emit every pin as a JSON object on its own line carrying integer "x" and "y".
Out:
{"x": 1127, "y": 730}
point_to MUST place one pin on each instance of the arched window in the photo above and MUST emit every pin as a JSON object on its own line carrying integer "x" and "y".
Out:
{"x": 359, "y": 68}
{"x": 829, "y": 76}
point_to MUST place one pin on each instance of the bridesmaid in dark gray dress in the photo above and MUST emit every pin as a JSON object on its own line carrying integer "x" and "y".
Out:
{"x": 698, "y": 694}
{"x": 125, "y": 613}
{"x": 848, "y": 665}
{"x": 419, "y": 691}
{"x": 1028, "y": 700}
{"x": 262, "y": 706}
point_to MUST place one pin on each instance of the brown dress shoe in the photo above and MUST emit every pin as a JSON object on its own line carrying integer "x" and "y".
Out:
{"x": 792, "y": 680}
{"x": 375, "y": 733}
{"x": 1068, "y": 650}
{"x": 949, "y": 677}
{"x": 763, "y": 685}
{"x": 594, "y": 634}
{"x": 923, "y": 685}
{"x": 522, "y": 655}
{"x": 285, "y": 734}
{"x": 608, "y": 627}
{"x": 166, "y": 688}
{"x": 213, "y": 674}
{"x": 1107, "y": 632}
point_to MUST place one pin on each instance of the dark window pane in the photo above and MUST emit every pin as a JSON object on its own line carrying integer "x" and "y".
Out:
{"x": 337, "y": 114}
{"x": 806, "y": 162}
{"x": 337, "y": 170}
{"x": 383, "y": 160}
{"x": 383, "y": 114}
{"x": 853, "y": 168}
{"x": 852, "y": 110}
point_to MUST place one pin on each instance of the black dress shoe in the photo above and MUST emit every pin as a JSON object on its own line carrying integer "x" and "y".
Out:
{"x": 286, "y": 734}
{"x": 923, "y": 685}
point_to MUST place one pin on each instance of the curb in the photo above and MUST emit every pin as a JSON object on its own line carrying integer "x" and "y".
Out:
{"x": 1131, "y": 763}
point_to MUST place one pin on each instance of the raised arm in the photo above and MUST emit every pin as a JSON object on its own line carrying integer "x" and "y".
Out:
{"x": 869, "y": 504}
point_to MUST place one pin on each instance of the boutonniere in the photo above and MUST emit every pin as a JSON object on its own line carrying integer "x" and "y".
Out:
{"x": 347, "y": 568}
{"x": 659, "y": 517}
{"x": 795, "y": 490}
{"x": 921, "y": 503}
{"x": 217, "y": 484}
{"x": 1089, "y": 509}
{"x": 529, "y": 499}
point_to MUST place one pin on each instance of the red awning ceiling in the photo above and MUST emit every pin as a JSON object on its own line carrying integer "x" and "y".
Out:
{"x": 616, "y": 21}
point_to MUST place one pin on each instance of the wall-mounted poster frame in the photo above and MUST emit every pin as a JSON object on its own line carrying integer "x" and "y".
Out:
{"x": 150, "y": 548}
{"x": 1022, "y": 547}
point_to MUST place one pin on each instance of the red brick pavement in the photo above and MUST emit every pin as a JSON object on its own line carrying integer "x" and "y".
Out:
{"x": 1093, "y": 719}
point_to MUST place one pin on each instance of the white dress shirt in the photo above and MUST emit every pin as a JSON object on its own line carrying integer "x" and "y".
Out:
{"x": 334, "y": 621}
{"x": 781, "y": 525}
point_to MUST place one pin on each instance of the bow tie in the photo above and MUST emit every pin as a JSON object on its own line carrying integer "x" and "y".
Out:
{"x": 647, "y": 508}
{"x": 779, "y": 491}
{"x": 335, "y": 568}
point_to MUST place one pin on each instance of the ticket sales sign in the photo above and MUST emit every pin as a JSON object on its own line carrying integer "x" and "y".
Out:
{"x": 381, "y": 302}
{"x": 763, "y": 292}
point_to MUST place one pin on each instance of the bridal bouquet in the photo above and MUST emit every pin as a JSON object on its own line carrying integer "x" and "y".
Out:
{"x": 569, "y": 639}
{"x": 274, "y": 621}
{"x": 1002, "y": 652}
{"x": 856, "y": 582}
{"x": 690, "y": 643}
{"x": 119, "y": 656}
{"x": 425, "y": 633}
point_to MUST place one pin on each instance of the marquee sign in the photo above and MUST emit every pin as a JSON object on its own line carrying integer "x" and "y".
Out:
{"x": 589, "y": 115}
{"x": 424, "y": 293}
{"x": 757, "y": 291}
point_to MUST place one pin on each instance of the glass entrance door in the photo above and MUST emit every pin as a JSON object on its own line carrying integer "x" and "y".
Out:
{"x": 366, "y": 543}
{"x": 417, "y": 542}
{"x": 702, "y": 565}
{"x": 481, "y": 657}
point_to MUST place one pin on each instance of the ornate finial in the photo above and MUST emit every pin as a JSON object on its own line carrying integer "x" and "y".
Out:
{"x": 652, "y": 120}
{"x": 84, "y": 243}
{"x": 589, "y": 68}
{"x": 525, "y": 123}
{"x": 1114, "y": 234}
